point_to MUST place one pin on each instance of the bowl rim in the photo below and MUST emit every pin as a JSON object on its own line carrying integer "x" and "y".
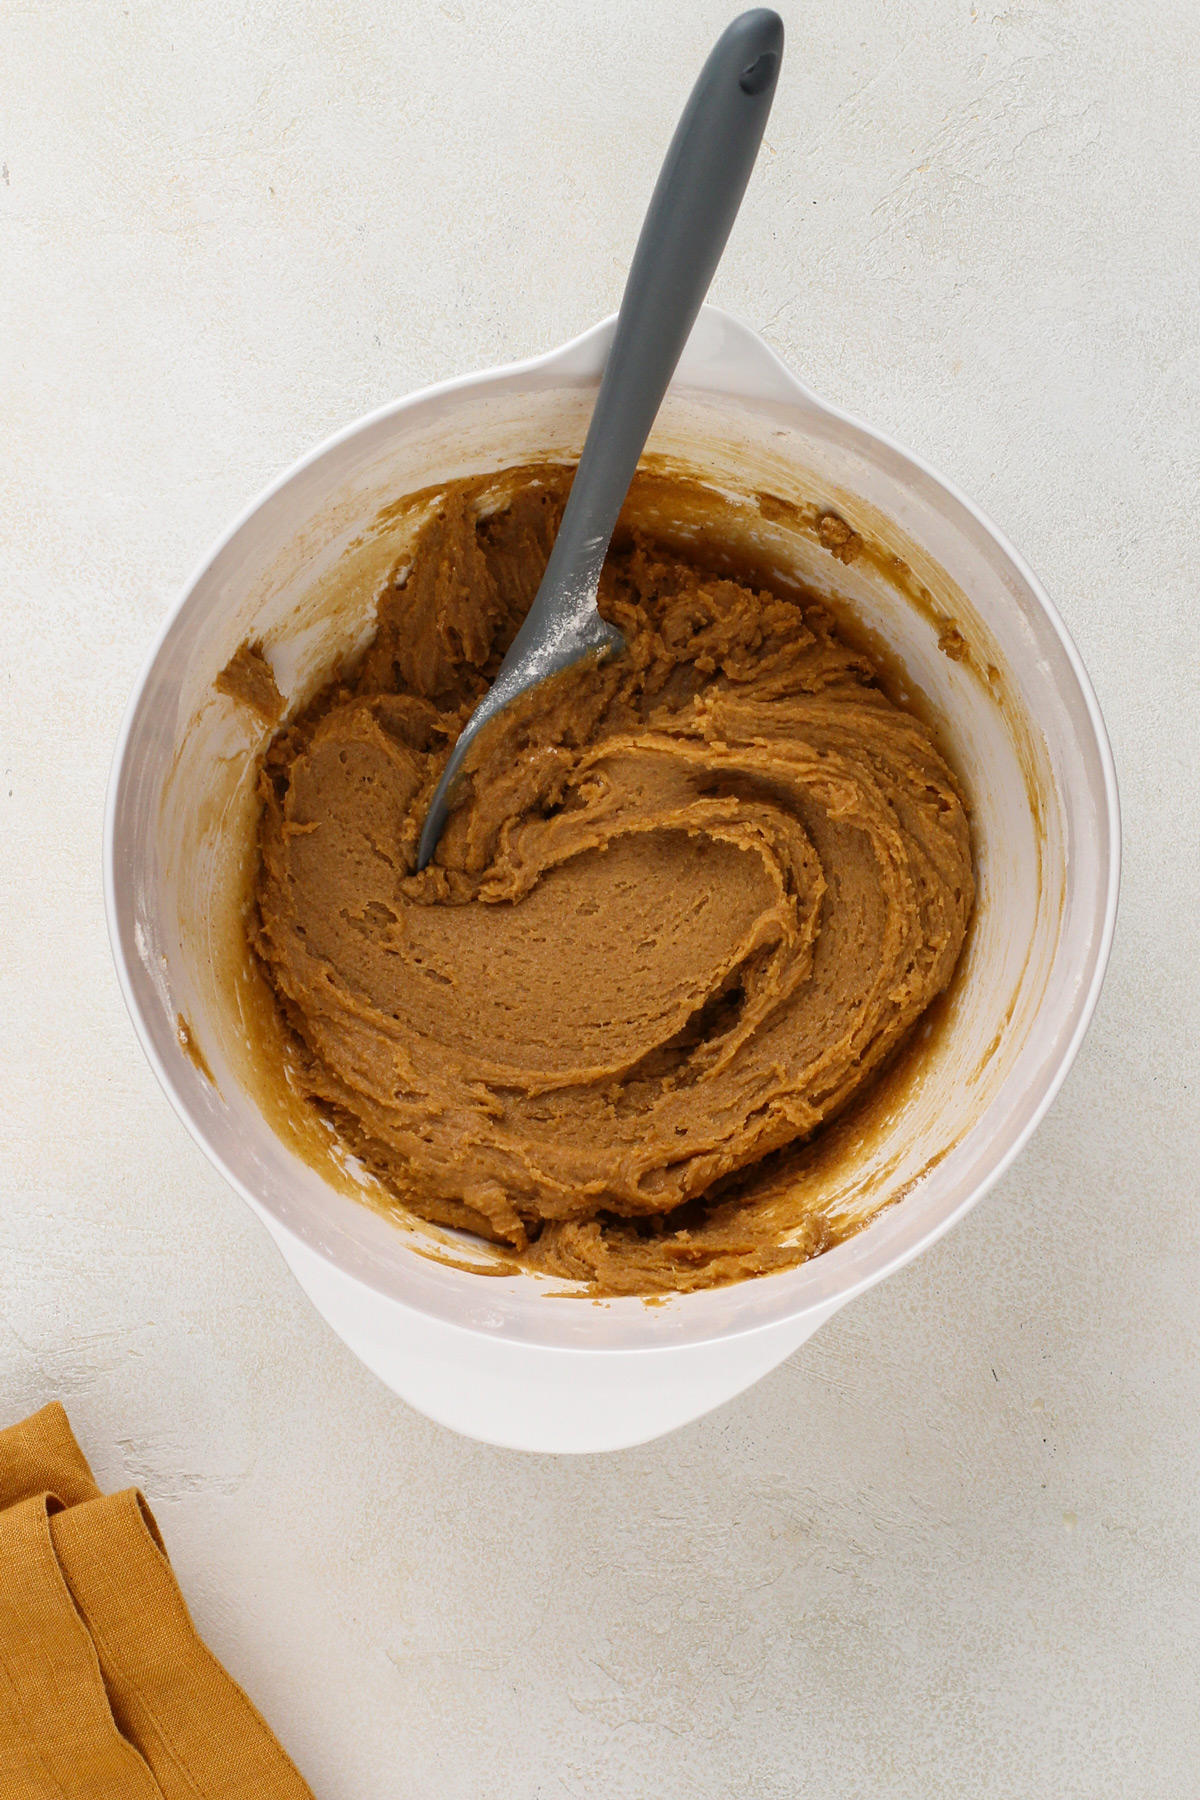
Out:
{"x": 862, "y": 1268}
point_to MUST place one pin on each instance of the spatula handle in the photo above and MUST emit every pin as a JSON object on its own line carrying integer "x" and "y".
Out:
{"x": 691, "y": 214}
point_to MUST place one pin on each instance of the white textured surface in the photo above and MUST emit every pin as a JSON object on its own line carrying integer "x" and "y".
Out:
{"x": 952, "y": 1547}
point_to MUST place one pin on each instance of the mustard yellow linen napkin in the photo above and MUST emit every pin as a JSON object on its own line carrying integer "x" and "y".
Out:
{"x": 106, "y": 1691}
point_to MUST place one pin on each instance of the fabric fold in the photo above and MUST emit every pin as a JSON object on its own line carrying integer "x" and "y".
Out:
{"x": 107, "y": 1691}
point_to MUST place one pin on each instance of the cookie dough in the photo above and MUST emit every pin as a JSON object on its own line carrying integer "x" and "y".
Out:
{"x": 688, "y": 904}
{"x": 248, "y": 677}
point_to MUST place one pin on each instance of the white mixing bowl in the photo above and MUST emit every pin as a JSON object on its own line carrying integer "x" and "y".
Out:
{"x": 513, "y": 1360}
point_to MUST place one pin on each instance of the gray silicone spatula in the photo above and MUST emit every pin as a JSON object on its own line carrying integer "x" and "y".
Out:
{"x": 691, "y": 214}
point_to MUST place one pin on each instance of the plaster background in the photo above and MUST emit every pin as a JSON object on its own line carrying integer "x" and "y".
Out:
{"x": 952, "y": 1547}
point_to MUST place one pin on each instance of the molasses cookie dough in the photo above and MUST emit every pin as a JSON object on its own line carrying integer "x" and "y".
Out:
{"x": 689, "y": 904}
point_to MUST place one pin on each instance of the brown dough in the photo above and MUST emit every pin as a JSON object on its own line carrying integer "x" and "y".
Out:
{"x": 688, "y": 906}
{"x": 249, "y": 677}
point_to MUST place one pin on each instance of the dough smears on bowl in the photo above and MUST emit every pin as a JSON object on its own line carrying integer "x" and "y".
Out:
{"x": 687, "y": 908}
